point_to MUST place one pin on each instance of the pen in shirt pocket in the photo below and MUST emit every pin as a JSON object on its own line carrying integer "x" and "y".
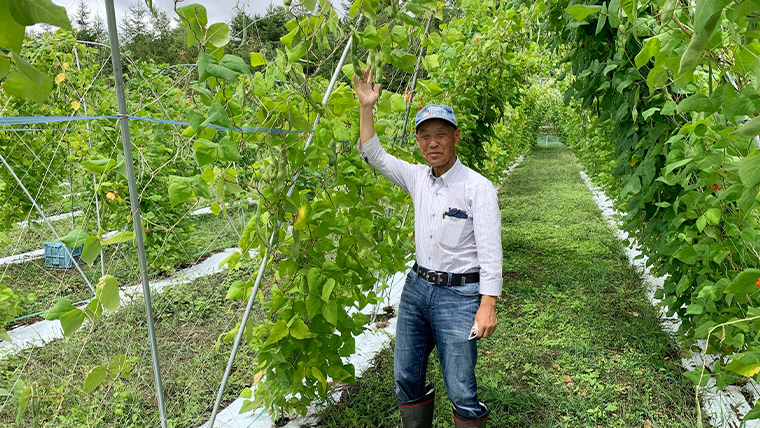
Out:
{"x": 456, "y": 212}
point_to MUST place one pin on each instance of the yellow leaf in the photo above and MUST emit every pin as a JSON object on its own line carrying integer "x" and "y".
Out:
{"x": 301, "y": 221}
{"x": 75, "y": 105}
{"x": 256, "y": 378}
{"x": 65, "y": 65}
{"x": 411, "y": 234}
{"x": 60, "y": 78}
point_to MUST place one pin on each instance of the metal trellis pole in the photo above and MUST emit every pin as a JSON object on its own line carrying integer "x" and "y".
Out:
{"x": 414, "y": 83}
{"x": 134, "y": 201}
{"x": 264, "y": 258}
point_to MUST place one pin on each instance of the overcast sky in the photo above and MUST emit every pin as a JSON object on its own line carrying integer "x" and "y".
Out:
{"x": 218, "y": 10}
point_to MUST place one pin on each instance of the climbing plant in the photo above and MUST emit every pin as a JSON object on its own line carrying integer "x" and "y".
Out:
{"x": 342, "y": 230}
{"x": 671, "y": 90}
{"x": 327, "y": 226}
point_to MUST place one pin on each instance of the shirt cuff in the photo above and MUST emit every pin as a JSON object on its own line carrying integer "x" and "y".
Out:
{"x": 368, "y": 145}
{"x": 368, "y": 149}
{"x": 490, "y": 289}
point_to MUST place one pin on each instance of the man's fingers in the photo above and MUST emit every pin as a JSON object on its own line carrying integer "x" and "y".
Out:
{"x": 486, "y": 331}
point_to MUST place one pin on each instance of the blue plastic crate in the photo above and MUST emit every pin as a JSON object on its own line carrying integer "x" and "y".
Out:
{"x": 56, "y": 256}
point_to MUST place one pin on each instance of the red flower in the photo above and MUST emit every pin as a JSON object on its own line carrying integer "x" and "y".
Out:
{"x": 758, "y": 282}
{"x": 407, "y": 96}
{"x": 477, "y": 39}
{"x": 717, "y": 187}
{"x": 420, "y": 108}
{"x": 182, "y": 53}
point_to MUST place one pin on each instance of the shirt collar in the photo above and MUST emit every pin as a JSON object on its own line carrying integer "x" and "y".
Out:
{"x": 449, "y": 176}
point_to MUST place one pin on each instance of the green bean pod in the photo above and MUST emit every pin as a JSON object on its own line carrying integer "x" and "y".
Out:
{"x": 355, "y": 59}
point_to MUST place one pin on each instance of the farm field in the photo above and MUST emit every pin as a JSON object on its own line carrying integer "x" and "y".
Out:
{"x": 208, "y": 152}
{"x": 212, "y": 233}
{"x": 190, "y": 320}
{"x": 578, "y": 343}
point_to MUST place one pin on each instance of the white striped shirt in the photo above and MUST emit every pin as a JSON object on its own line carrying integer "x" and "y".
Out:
{"x": 447, "y": 243}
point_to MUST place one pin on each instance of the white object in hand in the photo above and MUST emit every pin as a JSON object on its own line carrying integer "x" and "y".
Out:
{"x": 473, "y": 331}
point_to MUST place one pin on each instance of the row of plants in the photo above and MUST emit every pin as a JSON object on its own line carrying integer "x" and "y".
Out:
{"x": 668, "y": 92}
{"x": 346, "y": 232}
{"x": 78, "y": 152}
{"x": 46, "y": 286}
{"x": 341, "y": 228}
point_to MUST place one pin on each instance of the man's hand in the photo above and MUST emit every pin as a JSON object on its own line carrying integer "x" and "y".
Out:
{"x": 366, "y": 93}
{"x": 486, "y": 316}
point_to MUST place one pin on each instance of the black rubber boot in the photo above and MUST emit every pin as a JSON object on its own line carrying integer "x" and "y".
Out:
{"x": 418, "y": 413}
{"x": 472, "y": 421}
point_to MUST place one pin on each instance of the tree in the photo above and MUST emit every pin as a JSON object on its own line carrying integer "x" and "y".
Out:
{"x": 258, "y": 33}
{"x": 90, "y": 30}
{"x": 152, "y": 36}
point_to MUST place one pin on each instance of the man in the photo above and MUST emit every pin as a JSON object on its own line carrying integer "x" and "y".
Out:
{"x": 449, "y": 298}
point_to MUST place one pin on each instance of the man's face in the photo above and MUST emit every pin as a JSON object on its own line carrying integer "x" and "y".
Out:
{"x": 436, "y": 139}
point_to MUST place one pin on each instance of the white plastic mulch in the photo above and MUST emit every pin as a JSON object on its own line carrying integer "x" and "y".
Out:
{"x": 26, "y": 223}
{"x": 38, "y": 254}
{"x": 725, "y": 408}
{"x": 42, "y": 332}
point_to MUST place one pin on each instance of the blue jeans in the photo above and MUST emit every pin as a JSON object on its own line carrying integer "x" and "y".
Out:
{"x": 437, "y": 316}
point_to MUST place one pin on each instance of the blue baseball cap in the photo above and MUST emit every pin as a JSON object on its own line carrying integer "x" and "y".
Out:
{"x": 435, "y": 111}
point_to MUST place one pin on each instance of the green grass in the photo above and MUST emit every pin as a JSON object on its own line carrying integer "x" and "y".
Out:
{"x": 189, "y": 319}
{"x": 578, "y": 343}
{"x": 48, "y": 285}
{"x": 32, "y": 237}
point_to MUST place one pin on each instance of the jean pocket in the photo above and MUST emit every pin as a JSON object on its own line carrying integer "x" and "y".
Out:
{"x": 471, "y": 289}
{"x": 411, "y": 277}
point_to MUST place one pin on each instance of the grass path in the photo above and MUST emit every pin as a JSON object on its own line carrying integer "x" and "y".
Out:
{"x": 578, "y": 344}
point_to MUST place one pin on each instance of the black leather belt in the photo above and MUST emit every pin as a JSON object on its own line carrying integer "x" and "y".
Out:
{"x": 436, "y": 277}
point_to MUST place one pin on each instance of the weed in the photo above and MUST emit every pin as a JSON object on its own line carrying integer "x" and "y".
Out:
{"x": 189, "y": 320}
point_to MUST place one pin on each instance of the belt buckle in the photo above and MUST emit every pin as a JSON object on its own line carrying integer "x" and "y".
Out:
{"x": 434, "y": 277}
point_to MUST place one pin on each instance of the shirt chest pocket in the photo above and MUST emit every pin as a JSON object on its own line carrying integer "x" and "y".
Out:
{"x": 452, "y": 231}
